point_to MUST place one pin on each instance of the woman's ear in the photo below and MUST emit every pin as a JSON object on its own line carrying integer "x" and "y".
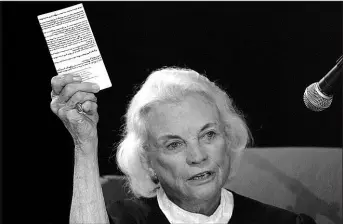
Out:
{"x": 145, "y": 159}
{"x": 148, "y": 164}
{"x": 153, "y": 175}
{"x": 151, "y": 171}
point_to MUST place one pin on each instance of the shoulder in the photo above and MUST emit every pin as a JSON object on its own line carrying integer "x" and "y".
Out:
{"x": 138, "y": 211}
{"x": 253, "y": 211}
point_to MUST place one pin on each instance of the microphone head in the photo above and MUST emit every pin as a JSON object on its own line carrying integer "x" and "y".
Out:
{"x": 314, "y": 99}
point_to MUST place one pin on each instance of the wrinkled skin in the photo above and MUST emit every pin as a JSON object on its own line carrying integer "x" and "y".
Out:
{"x": 66, "y": 93}
{"x": 192, "y": 150}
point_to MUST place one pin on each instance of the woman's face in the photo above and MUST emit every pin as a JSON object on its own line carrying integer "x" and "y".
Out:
{"x": 188, "y": 139}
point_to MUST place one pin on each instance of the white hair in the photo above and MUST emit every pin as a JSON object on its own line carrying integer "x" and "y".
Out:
{"x": 166, "y": 85}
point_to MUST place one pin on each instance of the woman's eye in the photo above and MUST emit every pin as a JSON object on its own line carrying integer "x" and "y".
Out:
{"x": 174, "y": 145}
{"x": 210, "y": 135}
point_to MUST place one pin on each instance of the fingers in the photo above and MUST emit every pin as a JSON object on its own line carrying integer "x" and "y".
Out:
{"x": 80, "y": 97}
{"x": 67, "y": 91}
{"x": 90, "y": 107}
{"x": 72, "y": 88}
{"x": 60, "y": 81}
{"x": 87, "y": 100}
{"x": 71, "y": 115}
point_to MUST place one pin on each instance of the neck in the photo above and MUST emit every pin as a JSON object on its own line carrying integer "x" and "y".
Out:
{"x": 200, "y": 206}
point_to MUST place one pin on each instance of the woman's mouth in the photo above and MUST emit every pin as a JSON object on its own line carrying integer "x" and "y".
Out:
{"x": 202, "y": 178}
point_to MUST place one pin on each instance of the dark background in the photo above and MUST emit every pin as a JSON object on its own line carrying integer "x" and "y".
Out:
{"x": 263, "y": 53}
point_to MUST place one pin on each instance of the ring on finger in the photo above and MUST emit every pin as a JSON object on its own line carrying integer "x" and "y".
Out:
{"x": 79, "y": 108}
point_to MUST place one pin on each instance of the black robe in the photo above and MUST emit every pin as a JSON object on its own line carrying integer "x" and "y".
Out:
{"x": 245, "y": 211}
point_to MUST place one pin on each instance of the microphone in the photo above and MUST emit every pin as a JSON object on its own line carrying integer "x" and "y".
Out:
{"x": 318, "y": 96}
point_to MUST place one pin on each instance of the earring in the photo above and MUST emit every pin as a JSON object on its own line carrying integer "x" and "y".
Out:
{"x": 154, "y": 176}
{"x": 155, "y": 179}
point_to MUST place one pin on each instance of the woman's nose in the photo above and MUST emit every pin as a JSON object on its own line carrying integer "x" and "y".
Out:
{"x": 196, "y": 155}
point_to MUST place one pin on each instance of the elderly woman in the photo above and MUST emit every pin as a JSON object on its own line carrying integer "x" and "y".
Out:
{"x": 182, "y": 142}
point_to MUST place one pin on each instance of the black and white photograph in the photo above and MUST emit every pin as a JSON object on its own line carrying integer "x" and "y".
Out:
{"x": 180, "y": 112}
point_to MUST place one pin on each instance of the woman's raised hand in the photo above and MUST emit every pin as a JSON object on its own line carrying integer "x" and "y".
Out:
{"x": 67, "y": 91}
